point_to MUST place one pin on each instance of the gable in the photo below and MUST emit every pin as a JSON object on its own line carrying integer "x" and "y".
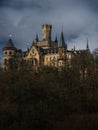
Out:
{"x": 33, "y": 53}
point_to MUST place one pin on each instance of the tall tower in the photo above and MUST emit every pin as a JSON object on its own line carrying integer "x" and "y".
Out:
{"x": 62, "y": 46}
{"x": 9, "y": 55}
{"x": 46, "y": 32}
{"x": 62, "y": 41}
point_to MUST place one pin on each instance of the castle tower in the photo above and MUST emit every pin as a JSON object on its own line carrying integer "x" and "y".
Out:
{"x": 62, "y": 46}
{"x": 62, "y": 41}
{"x": 46, "y": 32}
{"x": 9, "y": 55}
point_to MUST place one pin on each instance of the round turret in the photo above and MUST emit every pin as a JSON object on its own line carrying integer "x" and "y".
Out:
{"x": 8, "y": 54}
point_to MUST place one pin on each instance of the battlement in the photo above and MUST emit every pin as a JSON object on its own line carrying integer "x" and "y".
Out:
{"x": 46, "y": 32}
{"x": 47, "y": 26}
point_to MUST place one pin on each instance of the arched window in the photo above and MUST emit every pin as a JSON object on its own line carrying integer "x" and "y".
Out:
{"x": 5, "y": 53}
{"x": 10, "y": 53}
{"x": 5, "y": 61}
{"x": 54, "y": 58}
{"x": 11, "y": 63}
{"x": 47, "y": 59}
{"x": 32, "y": 50}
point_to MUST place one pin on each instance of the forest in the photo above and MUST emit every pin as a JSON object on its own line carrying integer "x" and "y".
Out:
{"x": 32, "y": 100}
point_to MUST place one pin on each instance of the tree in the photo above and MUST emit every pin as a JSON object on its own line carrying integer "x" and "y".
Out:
{"x": 95, "y": 56}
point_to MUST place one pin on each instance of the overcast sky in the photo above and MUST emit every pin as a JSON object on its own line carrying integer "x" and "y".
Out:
{"x": 24, "y": 18}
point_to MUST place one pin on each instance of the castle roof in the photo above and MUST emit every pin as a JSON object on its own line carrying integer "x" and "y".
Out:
{"x": 37, "y": 39}
{"x": 62, "y": 41}
{"x": 9, "y": 44}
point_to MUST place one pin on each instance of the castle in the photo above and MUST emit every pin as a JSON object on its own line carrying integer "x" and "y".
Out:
{"x": 42, "y": 53}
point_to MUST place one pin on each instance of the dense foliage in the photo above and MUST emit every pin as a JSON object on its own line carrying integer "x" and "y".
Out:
{"x": 36, "y": 100}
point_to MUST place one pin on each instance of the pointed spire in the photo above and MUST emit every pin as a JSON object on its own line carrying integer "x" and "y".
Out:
{"x": 62, "y": 41}
{"x": 62, "y": 28}
{"x": 9, "y": 44}
{"x": 74, "y": 48}
{"x": 87, "y": 46}
{"x": 37, "y": 39}
{"x": 10, "y": 36}
{"x": 56, "y": 40}
{"x": 33, "y": 43}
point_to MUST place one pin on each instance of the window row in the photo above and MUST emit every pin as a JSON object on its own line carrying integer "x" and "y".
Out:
{"x": 8, "y": 53}
{"x": 51, "y": 58}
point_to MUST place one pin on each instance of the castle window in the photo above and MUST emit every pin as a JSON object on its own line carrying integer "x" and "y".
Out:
{"x": 5, "y": 61}
{"x": 6, "y": 53}
{"x": 10, "y": 53}
{"x": 32, "y": 50}
{"x": 60, "y": 63}
{"x": 50, "y": 58}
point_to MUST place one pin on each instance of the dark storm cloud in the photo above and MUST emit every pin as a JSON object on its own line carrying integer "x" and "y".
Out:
{"x": 19, "y": 6}
{"x": 24, "y": 18}
{"x": 23, "y": 4}
{"x": 72, "y": 36}
{"x": 92, "y": 4}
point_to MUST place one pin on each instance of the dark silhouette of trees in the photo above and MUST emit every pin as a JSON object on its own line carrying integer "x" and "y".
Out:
{"x": 36, "y": 100}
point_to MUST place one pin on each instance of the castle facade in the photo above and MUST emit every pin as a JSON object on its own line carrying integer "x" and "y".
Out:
{"x": 42, "y": 53}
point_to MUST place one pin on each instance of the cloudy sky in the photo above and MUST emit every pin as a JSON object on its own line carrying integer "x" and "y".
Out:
{"x": 24, "y": 18}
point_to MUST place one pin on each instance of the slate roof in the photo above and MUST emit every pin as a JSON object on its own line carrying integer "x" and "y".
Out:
{"x": 62, "y": 41}
{"x": 9, "y": 44}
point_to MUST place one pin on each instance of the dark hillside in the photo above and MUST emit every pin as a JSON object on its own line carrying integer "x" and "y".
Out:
{"x": 34, "y": 101}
